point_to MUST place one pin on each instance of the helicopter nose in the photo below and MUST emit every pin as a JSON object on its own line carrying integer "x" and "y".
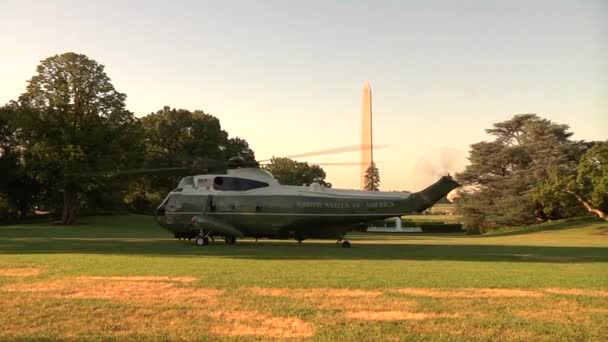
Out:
{"x": 160, "y": 215}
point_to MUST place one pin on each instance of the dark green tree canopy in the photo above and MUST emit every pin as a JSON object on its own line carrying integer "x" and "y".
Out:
{"x": 507, "y": 173}
{"x": 592, "y": 179}
{"x": 8, "y": 131}
{"x": 237, "y": 147}
{"x": 72, "y": 121}
{"x": 290, "y": 172}
{"x": 69, "y": 138}
{"x": 18, "y": 188}
{"x": 178, "y": 136}
{"x": 191, "y": 140}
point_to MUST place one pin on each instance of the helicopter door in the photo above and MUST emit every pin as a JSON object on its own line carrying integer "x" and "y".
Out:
{"x": 210, "y": 203}
{"x": 174, "y": 203}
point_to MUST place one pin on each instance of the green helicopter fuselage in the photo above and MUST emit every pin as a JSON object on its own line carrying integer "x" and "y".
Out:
{"x": 250, "y": 202}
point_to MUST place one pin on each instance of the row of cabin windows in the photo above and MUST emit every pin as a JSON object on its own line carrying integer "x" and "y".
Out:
{"x": 232, "y": 184}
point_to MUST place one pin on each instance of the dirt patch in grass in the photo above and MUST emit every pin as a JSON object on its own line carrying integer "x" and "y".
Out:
{"x": 121, "y": 290}
{"x": 321, "y": 292}
{"x": 20, "y": 272}
{"x": 560, "y": 311}
{"x": 274, "y": 292}
{"x": 396, "y": 315}
{"x": 470, "y": 293}
{"x": 252, "y": 323}
{"x": 142, "y": 278}
{"x": 173, "y": 308}
{"x": 468, "y": 332}
{"x": 578, "y": 292}
{"x": 558, "y": 316}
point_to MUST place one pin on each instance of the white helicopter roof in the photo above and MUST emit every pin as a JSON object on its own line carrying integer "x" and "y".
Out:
{"x": 275, "y": 188}
{"x": 244, "y": 173}
{"x": 254, "y": 174}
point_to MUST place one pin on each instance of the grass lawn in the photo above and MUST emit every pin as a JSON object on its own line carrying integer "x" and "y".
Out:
{"x": 124, "y": 278}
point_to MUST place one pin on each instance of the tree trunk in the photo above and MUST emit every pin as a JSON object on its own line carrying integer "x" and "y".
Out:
{"x": 588, "y": 206}
{"x": 69, "y": 205}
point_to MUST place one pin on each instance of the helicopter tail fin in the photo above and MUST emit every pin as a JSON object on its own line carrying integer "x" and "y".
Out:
{"x": 429, "y": 196}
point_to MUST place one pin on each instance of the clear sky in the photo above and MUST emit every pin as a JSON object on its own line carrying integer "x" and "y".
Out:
{"x": 287, "y": 75}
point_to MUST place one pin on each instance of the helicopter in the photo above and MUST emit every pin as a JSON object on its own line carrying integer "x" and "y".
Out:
{"x": 250, "y": 202}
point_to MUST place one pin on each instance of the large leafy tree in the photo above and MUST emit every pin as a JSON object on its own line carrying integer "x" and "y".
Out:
{"x": 237, "y": 147}
{"x": 591, "y": 186}
{"x": 18, "y": 188}
{"x": 553, "y": 193}
{"x": 372, "y": 178}
{"x": 290, "y": 172}
{"x": 584, "y": 188}
{"x": 73, "y": 123}
{"x": 178, "y": 143}
{"x": 504, "y": 175}
{"x": 175, "y": 137}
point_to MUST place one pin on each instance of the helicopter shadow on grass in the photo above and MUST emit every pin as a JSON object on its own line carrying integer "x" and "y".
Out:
{"x": 314, "y": 250}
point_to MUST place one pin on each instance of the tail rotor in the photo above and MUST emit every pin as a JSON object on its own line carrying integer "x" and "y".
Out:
{"x": 436, "y": 163}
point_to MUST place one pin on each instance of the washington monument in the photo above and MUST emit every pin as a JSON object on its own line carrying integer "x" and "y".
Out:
{"x": 367, "y": 153}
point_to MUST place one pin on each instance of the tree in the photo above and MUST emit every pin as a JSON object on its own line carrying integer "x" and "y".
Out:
{"x": 554, "y": 194}
{"x": 579, "y": 190}
{"x": 591, "y": 187}
{"x": 372, "y": 178}
{"x": 179, "y": 138}
{"x": 290, "y": 172}
{"x": 509, "y": 174}
{"x": 74, "y": 122}
{"x": 18, "y": 188}
{"x": 237, "y": 147}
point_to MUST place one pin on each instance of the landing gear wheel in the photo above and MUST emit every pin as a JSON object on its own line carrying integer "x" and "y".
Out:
{"x": 345, "y": 244}
{"x": 230, "y": 240}
{"x": 201, "y": 241}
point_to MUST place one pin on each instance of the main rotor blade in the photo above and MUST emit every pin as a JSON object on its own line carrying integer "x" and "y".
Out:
{"x": 331, "y": 163}
{"x": 148, "y": 170}
{"x": 340, "y": 163}
{"x": 124, "y": 172}
{"x": 336, "y": 163}
{"x": 335, "y": 150}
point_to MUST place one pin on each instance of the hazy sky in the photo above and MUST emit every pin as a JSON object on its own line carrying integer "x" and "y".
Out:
{"x": 287, "y": 76}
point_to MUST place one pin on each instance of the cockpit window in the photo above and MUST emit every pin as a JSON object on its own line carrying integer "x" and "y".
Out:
{"x": 204, "y": 183}
{"x": 236, "y": 184}
{"x": 186, "y": 181}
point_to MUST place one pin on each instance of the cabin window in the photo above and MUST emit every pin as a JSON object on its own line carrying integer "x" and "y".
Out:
{"x": 236, "y": 184}
{"x": 204, "y": 183}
